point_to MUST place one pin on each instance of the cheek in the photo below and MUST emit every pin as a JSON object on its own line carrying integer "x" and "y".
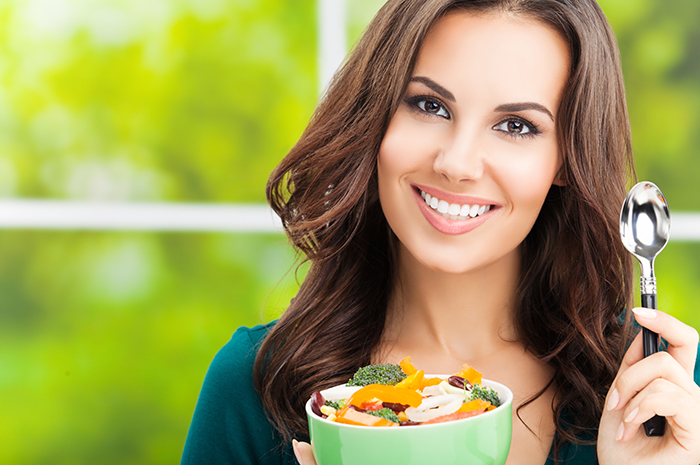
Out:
{"x": 529, "y": 177}
{"x": 406, "y": 147}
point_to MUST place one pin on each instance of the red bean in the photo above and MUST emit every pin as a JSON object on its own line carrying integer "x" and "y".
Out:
{"x": 395, "y": 407}
{"x": 316, "y": 402}
{"x": 459, "y": 382}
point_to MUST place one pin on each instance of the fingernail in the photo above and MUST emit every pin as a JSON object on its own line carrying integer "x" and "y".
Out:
{"x": 614, "y": 399}
{"x": 296, "y": 452}
{"x": 620, "y": 432}
{"x": 646, "y": 313}
{"x": 632, "y": 414}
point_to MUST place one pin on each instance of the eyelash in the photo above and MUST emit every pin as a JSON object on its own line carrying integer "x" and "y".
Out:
{"x": 412, "y": 102}
{"x": 533, "y": 129}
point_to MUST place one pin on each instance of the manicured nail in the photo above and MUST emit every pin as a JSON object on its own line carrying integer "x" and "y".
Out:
{"x": 614, "y": 399}
{"x": 620, "y": 432}
{"x": 632, "y": 414}
{"x": 296, "y": 452}
{"x": 646, "y": 313}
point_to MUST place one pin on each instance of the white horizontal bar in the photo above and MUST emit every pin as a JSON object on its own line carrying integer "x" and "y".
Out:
{"x": 202, "y": 217}
{"x": 76, "y": 215}
{"x": 685, "y": 226}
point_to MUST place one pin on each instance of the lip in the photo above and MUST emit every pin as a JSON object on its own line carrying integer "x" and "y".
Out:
{"x": 445, "y": 225}
{"x": 449, "y": 197}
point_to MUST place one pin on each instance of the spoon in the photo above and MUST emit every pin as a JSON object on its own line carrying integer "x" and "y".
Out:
{"x": 645, "y": 224}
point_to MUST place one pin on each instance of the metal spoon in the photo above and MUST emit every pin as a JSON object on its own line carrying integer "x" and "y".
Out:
{"x": 645, "y": 225}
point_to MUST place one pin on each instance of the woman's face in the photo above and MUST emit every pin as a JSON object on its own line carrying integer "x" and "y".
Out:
{"x": 475, "y": 137}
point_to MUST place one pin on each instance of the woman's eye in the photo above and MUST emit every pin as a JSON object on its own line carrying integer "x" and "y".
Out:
{"x": 432, "y": 107}
{"x": 516, "y": 127}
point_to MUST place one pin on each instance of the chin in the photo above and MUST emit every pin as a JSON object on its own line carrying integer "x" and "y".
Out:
{"x": 454, "y": 263}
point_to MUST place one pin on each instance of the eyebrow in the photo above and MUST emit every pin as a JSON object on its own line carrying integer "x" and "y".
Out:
{"x": 521, "y": 106}
{"x": 446, "y": 94}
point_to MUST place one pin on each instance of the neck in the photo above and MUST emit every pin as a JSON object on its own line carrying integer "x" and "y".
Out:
{"x": 453, "y": 317}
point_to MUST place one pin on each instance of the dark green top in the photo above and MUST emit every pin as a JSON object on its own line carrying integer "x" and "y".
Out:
{"x": 229, "y": 425}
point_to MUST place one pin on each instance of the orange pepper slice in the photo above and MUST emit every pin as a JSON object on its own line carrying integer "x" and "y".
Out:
{"x": 470, "y": 374}
{"x": 431, "y": 382}
{"x": 413, "y": 381}
{"x": 476, "y": 404}
{"x": 385, "y": 393}
{"x": 407, "y": 366}
{"x": 353, "y": 417}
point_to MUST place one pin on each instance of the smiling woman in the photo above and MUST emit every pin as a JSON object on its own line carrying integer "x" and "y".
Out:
{"x": 468, "y": 136}
{"x": 457, "y": 195}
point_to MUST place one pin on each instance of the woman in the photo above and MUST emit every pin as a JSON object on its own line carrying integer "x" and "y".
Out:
{"x": 457, "y": 194}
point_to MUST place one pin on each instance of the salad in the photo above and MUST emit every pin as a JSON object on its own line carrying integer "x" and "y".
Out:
{"x": 401, "y": 395}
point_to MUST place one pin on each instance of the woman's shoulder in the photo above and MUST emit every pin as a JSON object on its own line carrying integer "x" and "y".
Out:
{"x": 229, "y": 424}
{"x": 241, "y": 350}
{"x": 232, "y": 367}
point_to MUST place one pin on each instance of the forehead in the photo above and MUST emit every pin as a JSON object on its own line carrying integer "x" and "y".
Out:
{"x": 510, "y": 57}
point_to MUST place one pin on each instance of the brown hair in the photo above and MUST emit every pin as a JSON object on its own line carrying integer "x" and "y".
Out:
{"x": 576, "y": 275}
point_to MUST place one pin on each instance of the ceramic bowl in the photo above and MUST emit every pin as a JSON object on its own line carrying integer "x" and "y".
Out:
{"x": 480, "y": 440}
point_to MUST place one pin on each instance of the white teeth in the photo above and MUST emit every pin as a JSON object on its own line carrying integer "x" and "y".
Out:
{"x": 454, "y": 211}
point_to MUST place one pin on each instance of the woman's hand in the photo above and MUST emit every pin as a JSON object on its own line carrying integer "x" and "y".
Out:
{"x": 303, "y": 452}
{"x": 661, "y": 384}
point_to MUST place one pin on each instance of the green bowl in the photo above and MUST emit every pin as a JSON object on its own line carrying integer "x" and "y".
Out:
{"x": 479, "y": 440}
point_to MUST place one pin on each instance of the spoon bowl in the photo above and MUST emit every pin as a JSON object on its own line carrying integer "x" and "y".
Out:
{"x": 645, "y": 222}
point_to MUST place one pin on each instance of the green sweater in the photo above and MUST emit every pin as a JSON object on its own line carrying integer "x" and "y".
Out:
{"x": 230, "y": 427}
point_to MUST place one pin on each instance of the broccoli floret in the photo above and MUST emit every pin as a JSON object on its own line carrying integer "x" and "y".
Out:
{"x": 485, "y": 393}
{"x": 336, "y": 404}
{"x": 377, "y": 374}
{"x": 385, "y": 413}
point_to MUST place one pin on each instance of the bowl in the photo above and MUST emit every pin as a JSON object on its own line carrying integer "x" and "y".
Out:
{"x": 480, "y": 440}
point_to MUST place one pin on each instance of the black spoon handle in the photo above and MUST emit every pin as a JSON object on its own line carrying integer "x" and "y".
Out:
{"x": 655, "y": 426}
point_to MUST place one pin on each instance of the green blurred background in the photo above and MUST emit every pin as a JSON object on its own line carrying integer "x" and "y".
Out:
{"x": 105, "y": 337}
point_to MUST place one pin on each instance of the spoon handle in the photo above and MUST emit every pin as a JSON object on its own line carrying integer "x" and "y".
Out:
{"x": 655, "y": 426}
{"x": 649, "y": 338}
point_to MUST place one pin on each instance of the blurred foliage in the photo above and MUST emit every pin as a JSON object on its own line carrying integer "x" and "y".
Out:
{"x": 105, "y": 337}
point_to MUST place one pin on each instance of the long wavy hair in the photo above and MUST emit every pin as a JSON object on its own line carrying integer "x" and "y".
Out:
{"x": 576, "y": 276}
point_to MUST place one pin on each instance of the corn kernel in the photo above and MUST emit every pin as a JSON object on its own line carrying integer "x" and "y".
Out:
{"x": 327, "y": 410}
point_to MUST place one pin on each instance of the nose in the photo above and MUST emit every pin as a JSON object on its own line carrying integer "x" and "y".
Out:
{"x": 461, "y": 158}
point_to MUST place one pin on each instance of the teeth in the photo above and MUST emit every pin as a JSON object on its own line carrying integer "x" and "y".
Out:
{"x": 454, "y": 211}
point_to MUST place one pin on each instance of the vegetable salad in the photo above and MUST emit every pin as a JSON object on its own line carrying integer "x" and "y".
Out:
{"x": 401, "y": 395}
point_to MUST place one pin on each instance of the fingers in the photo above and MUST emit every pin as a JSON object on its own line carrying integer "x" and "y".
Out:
{"x": 660, "y": 366}
{"x": 662, "y": 398}
{"x": 303, "y": 452}
{"x": 661, "y": 384}
{"x": 682, "y": 339}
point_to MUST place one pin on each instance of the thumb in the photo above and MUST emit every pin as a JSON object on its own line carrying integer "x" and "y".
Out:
{"x": 303, "y": 452}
